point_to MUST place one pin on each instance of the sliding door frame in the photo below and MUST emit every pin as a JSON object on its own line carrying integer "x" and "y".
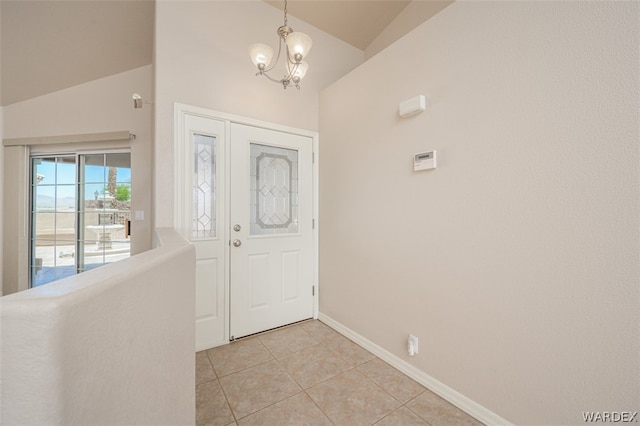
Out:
{"x": 79, "y": 224}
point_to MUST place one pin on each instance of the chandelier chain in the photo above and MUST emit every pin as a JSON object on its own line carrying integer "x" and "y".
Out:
{"x": 285, "y": 13}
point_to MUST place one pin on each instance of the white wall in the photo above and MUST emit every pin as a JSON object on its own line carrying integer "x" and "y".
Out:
{"x": 1, "y": 173}
{"x": 102, "y": 105}
{"x": 113, "y": 345}
{"x": 1, "y": 200}
{"x": 516, "y": 261}
{"x": 202, "y": 60}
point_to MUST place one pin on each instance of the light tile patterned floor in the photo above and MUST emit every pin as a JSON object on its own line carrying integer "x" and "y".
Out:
{"x": 308, "y": 374}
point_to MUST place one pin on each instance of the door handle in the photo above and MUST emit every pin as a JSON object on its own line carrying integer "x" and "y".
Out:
{"x": 237, "y": 243}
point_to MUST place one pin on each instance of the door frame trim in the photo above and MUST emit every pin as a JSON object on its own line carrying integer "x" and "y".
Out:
{"x": 179, "y": 181}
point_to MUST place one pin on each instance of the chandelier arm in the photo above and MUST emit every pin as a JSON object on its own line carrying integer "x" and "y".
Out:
{"x": 271, "y": 78}
{"x": 293, "y": 69}
{"x": 292, "y": 72}
{"x": 289, "y": 59}
{"x": 277, "y": 57}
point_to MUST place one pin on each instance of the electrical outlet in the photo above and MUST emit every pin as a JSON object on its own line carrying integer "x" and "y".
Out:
{"x": 412, "y": 345}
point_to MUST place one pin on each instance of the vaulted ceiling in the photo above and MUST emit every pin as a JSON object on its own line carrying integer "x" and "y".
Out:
{"x": 357, "y": 22}
{"x": 50, "y": 45}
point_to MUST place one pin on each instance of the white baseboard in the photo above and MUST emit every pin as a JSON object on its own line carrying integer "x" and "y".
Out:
{"x": 462, "y": 402}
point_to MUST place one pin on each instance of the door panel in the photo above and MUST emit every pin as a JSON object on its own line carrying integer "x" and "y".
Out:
{"x": 258, "y": 280}
{"x": 270, "y": 213}
{"x": 206, "y": 272}
{"x": 203, "y": 223}
{"x": 290, "y": 275}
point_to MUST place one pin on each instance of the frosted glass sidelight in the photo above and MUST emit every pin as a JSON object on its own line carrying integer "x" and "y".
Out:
{"x": 203, "y": 220}
{"x": 274, "y": 190}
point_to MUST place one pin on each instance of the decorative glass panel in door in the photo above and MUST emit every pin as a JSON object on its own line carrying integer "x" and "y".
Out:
{"x": 203, "y": 220}
{"x": 274, "y": 190}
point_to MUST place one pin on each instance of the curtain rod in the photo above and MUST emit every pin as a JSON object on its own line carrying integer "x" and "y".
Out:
{"x": 89, "y": 137}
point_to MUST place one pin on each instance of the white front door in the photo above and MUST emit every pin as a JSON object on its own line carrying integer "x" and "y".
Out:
{"x": 271, "y": 235}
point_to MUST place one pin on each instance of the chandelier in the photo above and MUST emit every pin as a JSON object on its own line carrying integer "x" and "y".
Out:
{"x": 296, "y": 45}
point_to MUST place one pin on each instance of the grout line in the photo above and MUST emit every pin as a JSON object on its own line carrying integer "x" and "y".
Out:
{"x": 245, "y": 368}
{"x": 226, "y": 399}
{"x": 416, "y": 414}
{"x": 206, "y": 381}
{"x": 206, "y": 352}
{"x": 316, "y": 404}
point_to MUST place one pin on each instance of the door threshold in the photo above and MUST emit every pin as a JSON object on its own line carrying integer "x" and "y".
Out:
{"x": 236, "y": 339}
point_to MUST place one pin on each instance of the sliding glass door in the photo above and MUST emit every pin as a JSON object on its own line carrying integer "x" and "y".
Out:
{"x": 80, "y": 212}
{"x": 53, "y": 218}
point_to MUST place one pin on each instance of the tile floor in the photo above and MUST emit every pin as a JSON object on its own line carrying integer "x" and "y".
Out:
{"x": 308, "y": 374}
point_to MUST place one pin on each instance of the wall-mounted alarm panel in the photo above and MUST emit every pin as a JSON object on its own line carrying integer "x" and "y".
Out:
{"x": 412, "y": 106}
{"x": 424, "y": 161}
